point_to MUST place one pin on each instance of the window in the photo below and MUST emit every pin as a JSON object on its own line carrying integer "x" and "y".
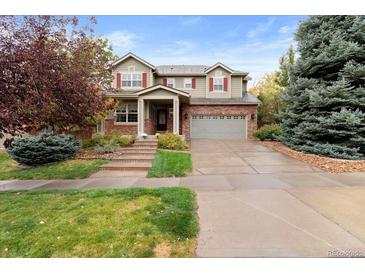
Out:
{"x": 218, "y": 84}
{"x": 170, "y": 82}
{"x": 100, "y": 127}
{"x": 127, "y": 113}
{"x": 131, "y": 80}
{"x": 188, "y": 83}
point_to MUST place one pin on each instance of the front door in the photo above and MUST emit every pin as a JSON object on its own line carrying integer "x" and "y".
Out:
{"x": 161, "y": 119}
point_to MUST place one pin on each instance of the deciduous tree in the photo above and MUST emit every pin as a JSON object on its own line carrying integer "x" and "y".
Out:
{"x": 52, "y": 73}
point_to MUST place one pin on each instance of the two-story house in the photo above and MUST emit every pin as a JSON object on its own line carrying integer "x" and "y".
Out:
{"x": 196, "y": 101}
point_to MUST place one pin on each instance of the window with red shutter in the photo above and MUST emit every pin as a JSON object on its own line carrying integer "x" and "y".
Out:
{"x": 144, "y": 79}
{"x": 118, "y": 80}
{"x": 193, "y": 83}
{"x": 225, "y": 84}
{"x": 210, "y": 84}
{"x": 165, "y": 82}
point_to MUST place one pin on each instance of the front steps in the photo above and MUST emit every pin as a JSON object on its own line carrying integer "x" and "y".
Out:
{"x": 134, "y": 161}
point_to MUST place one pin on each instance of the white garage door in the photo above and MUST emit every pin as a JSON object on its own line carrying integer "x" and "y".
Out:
{"x": 218, "y": 127}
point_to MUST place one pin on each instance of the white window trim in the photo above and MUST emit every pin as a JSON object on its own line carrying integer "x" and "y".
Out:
{"x": 191, "y": 83}
{"x": 126, "y": 113}
{"x": 131, "y": 73}
{"x": 170, "y": 79}
{"x": 218, "y": 90}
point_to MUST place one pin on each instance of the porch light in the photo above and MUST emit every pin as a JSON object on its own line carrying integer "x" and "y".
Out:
{"x": 186, "y": 116}
{"x": 253, "y": 115}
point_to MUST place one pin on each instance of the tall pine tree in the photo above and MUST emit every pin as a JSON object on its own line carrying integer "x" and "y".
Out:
{"x": 325, "y": 99}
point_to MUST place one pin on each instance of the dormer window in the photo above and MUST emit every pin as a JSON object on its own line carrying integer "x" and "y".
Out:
{"x": 131, "y": 80}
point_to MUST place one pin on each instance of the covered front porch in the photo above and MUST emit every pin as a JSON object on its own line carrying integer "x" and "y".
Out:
{"x": 159, "y": 110}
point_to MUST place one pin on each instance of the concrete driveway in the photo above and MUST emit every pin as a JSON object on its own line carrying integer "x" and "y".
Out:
{"x": 254, "y": 202}
{"x": 238, "y": 157}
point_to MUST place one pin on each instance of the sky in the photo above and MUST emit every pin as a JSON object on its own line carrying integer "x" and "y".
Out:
{"x": 247, "y": 43}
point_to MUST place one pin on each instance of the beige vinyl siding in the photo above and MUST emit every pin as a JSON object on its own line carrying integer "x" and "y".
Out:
{"x": 224, "y": 94}
{"x": 236, "y": 86}
{"x": 198, "y": 92}
{"x": 139, "y": 67}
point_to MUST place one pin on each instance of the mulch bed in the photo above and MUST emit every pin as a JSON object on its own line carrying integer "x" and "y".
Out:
{"x": 92, "y": 155}
{"x": 324, "y": 163}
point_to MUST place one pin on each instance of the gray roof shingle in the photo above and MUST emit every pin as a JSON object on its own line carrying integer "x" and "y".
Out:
{"x": 181, "y": 69}
{"x": 186, "y": 70}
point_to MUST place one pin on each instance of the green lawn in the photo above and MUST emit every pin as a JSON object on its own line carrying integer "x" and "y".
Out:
{"x": 70, "y": 169}
{"x": 98, "y": 223}
{"x": 170, "y": 163}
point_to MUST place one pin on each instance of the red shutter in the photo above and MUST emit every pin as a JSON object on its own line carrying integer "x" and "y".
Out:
{"x": 210, "y": 84}
{"x": 225, "y": 83}
{"x": 118, "y": 80}
{"x": 144, "y": 79}
{"x": 165, "y": 82}
{"x": 193, "y": 83}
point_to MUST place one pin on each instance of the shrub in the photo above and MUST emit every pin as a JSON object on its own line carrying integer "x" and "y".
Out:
{"x": 43, "y": 148}
{"x": 100, "y": 141}
{"x": 108, "y": 146}
{"x": 268, "y": 132}
{"x": 121, "y": 140}
{"x": 171, "y": 141}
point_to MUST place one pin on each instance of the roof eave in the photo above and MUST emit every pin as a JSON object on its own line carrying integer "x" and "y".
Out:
{"x": 130, "y": 54}
{"x": 159, "y": 86}
{"x": 218, "y": 65}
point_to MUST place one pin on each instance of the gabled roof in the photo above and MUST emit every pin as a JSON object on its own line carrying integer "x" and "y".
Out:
{"x": 130, "y": 54}
{"x": 159, "y": 86}
{"x": 219, "y": 65}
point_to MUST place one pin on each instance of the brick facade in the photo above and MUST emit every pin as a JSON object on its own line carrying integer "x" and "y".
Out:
{"x": 149, "y": 126}
{"x": 189, "y": 110}
{"x": 111, "y": 127}
{"x": 185, "y": 119}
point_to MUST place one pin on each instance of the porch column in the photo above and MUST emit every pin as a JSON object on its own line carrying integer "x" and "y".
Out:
{"x": 176, "y": 124}
{"x": 140, "y": 116}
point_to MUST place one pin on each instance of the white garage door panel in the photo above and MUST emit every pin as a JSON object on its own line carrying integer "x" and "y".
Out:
{"x": 218, "y": 127}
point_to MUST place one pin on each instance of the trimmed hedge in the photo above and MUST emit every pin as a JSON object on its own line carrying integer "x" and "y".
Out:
{"x": 43, "y": 148}
{"x": 268, "y": 132}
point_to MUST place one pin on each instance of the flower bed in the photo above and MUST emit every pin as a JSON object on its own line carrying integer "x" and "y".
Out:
{"x": 324, "y": 163}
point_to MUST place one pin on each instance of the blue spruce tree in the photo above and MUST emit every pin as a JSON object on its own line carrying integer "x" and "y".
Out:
{"x": 325, "y": 99}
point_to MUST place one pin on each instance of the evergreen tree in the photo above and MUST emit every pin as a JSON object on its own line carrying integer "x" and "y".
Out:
{"x": 285, "y": 62}
{"x": 325, "y": 99}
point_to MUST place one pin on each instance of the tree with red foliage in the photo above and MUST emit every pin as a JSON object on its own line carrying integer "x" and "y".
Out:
{"x": 52, "y": 74}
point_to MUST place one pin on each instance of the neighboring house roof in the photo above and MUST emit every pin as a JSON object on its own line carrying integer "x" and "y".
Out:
{"x": 247, "y": 99}
{"x": 130, "y": 54}
{"x": 159, "y": 86}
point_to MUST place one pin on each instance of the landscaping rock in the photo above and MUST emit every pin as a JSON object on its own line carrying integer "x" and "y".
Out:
{"x": 325, "y": 163}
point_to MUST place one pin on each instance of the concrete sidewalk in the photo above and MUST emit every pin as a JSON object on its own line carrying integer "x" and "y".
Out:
{"x": 205, "y": 183}
{"x": 260, "y": 215}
